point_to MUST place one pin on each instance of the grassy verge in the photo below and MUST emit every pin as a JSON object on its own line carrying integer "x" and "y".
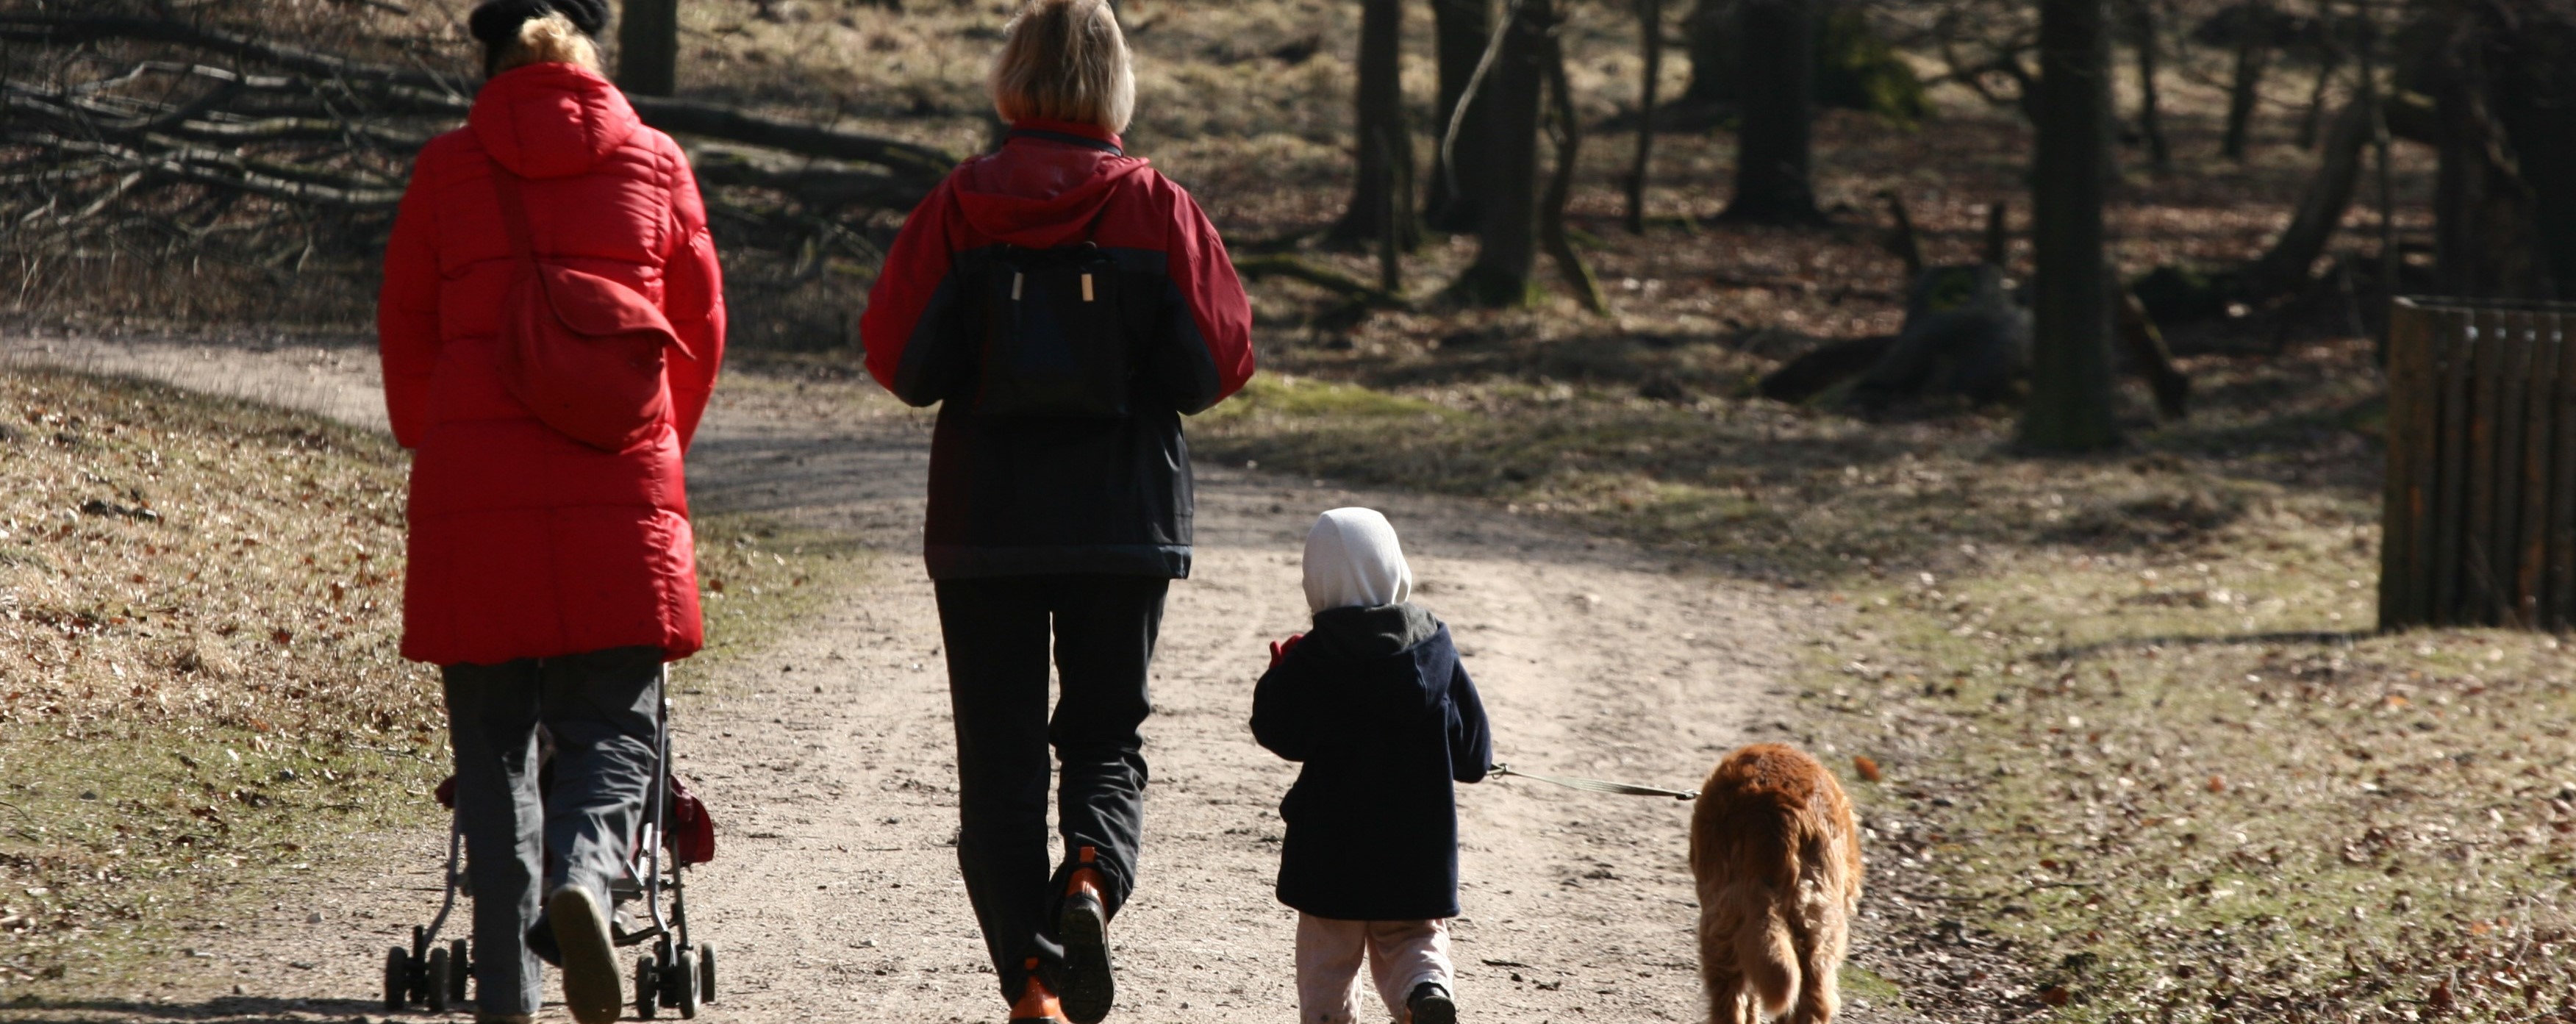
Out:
{"x": 2140, "y": 757}
{"x": 200, "y": 696}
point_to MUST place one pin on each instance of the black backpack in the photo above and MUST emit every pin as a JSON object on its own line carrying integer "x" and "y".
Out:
{"x": 1054, "y": 340}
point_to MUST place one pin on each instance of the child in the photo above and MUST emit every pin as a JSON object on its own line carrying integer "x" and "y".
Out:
{"x": 1376, "y": 704}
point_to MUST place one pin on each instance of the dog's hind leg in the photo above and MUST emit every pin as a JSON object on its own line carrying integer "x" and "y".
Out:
{"x": 1729, "y": 1003}
{"x": 1822, "y": 937}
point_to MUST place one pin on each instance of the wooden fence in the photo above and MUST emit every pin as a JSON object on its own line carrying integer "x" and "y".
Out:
{"x": 2480, "y": 524}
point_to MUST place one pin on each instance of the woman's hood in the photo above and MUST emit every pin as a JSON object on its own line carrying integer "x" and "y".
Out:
{"x": 551, "y": 120}
{"x": 1041, "y": 194}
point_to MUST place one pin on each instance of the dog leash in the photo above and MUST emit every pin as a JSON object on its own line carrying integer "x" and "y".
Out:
{"x": 1595, "y": 785}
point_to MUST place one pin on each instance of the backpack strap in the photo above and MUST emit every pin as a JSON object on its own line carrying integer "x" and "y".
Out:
{"x": 1068, "y": 138}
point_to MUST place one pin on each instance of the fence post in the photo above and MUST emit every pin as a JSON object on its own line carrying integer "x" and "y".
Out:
{"x": 2405, "y": 525}
{"x": 2540, "y": 385}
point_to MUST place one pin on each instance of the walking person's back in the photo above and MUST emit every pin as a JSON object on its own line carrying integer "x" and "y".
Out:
{"x": 1065, "y": 305}
{"x": 548, "y": 576}
{"x": 1376, "y": 704}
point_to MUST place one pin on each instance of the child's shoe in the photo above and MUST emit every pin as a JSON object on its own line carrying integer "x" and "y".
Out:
{"x": 1429, "y": 1004}
{"x": 1037, "y": 1005}
{"x": 1084, "y": 929}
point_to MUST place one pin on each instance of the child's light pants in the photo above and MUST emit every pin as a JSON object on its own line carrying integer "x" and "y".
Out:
{"x": 1401, "y": 955}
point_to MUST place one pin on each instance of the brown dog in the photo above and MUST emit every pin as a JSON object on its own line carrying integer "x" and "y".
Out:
{"x": 1777, "y": 859}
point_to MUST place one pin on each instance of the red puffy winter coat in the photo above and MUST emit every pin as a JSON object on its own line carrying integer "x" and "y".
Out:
{"x": 524, "y": 542}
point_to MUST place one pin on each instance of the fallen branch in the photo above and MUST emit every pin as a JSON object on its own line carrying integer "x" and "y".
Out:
{"x": 441, "y": 94}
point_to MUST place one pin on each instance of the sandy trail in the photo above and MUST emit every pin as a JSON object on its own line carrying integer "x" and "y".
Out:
{"x": 826, "y": 757}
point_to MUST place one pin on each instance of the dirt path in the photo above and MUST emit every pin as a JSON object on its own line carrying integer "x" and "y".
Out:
{"x": 826, "y": 757}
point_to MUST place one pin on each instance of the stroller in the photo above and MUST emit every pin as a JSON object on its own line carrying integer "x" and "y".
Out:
{"x": 673, "y": 975}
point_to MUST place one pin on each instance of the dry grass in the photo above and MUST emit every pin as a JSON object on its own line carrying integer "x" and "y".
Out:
{"x": 200, "y": 697}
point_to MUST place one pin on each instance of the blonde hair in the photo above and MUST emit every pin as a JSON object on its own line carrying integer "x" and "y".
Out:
{"x": 552, "y": 39}
{"x": 1065, "y": 60}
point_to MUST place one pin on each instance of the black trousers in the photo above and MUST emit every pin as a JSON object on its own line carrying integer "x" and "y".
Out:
{"x": 997, "y": 631}
{"x": 599, "y": 709}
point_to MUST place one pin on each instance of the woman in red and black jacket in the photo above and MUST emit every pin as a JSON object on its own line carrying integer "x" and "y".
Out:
{"x": 1062, "y": 525}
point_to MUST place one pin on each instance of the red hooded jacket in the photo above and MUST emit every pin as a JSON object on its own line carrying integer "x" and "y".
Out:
{"x": 524, "y": 542}
{"x": 1024, "y": 495}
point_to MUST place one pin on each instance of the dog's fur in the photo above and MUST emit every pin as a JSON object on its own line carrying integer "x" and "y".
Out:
{"x": 1777, "y": 859}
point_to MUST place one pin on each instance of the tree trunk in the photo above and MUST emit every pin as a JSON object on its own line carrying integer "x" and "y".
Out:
{"x": 2314, "y": 120}
{"x": 2391, "y": 262}
{"x": 2533, "y": 88}
{"x": 2480, "y": 203}
{"x": 1383, "y": 141}
{"x": 648, "y": 47}
{"x": 2070, "y": 400}
{"x": 1509, "y": 198}
{"x": 2252, "y": 54}
{"x": 2285, "y": 267}
{"x": 1565, "y": 133}
{"x": 1463, "y": 29}
{"x": 1777, "y": 77}
{"x": 2151, "y": 122}
{"x": 1710, "y": 29}
{"x": 1650, "y": 32}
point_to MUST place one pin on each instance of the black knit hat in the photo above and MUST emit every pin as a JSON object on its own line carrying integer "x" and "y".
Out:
{"x": 497, "y": 21}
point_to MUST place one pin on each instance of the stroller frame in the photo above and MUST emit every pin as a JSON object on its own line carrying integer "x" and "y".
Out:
{"x": 675, "y": 974}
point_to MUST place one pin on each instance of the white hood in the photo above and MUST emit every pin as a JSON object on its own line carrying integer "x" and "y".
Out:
{"x": 1352, "y": 560}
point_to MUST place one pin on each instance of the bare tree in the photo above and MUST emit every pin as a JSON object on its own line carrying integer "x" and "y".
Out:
{"x": 1565, "y": 134}
{"x": 1776, "y": 67}
{"x": 648, "y": 47}
{"x": 1508, "y": 202}
{"x": 2070, "y": 401}
{"x": 1710, "y": 30}
{"x": 1382, "y": 194}
{"x": 2253, "y": 55}
{"x": 1462, "y": 29}
{"x": 2145, "y": 24}
{"x": 1650, "y": 32}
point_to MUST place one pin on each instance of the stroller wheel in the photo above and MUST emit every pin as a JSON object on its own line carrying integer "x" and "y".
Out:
{"x": 397, "y": 978}
{"x": 648, "y": 986}
{"x": 434, "y": 982}
{"x": 461, "y": 967}
{"x": 684, "y": 984}
{"x": 706, "y": 972}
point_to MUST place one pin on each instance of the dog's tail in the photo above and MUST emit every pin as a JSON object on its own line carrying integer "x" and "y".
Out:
{"x": 1766, "y": 950}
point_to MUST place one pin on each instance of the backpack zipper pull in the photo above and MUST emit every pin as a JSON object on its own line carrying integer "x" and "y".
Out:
{"x": 1086, "y": 287}
{"x": 1016, "y": 278}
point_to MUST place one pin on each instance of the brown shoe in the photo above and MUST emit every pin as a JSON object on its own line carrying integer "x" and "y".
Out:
{"x": 1036, "y": 1005}
{"x": 1089, "y": 988}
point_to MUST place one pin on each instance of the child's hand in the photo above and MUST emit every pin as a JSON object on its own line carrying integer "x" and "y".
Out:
{"x": 1279, "y": 648}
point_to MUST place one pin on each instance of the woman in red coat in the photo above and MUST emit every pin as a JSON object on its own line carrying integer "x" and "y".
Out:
{"x": 550, "y": 580}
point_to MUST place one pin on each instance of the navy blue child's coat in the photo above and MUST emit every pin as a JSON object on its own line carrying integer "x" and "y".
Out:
{"x": 1376, "y": 704}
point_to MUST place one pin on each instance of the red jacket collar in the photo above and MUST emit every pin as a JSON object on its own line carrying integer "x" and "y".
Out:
{"x": 1078, "y": 128}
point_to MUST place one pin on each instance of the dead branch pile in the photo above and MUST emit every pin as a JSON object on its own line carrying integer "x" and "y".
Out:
{"x": 154, "y": 135}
